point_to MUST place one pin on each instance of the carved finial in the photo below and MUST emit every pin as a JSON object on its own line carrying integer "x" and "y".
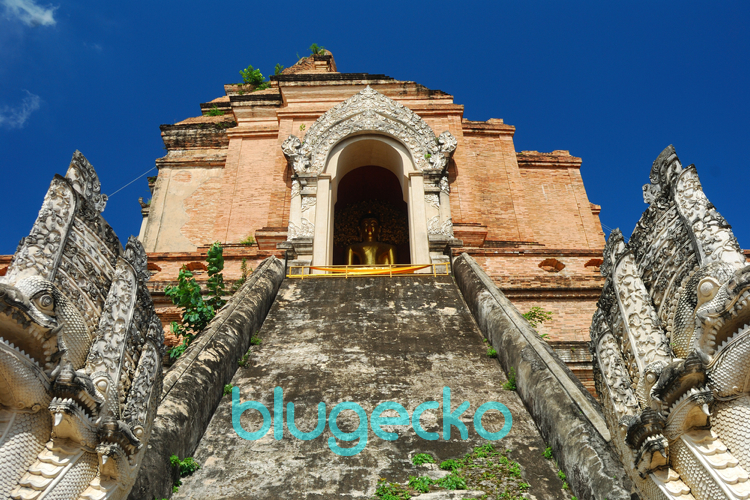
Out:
{"x": 612, "y": 250}
{"x": 136, "y": 256}
{"x": 298, "y": 159}
{"x": 83, "y": 178}
{"x": 664, "y": 173}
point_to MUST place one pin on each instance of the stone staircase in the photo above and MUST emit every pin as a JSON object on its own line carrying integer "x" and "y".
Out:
{"x": 365, "y": 340}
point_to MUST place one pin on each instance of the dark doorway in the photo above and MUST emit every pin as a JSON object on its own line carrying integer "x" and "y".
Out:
{"x": 378, "y": 188}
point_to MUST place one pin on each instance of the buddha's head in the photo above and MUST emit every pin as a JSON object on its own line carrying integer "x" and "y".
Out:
{"x": 369, "y": 228}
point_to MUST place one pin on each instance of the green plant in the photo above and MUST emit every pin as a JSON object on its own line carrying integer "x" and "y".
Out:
{"x": 316, "y": 50}
{"x": 561, "y": 475}
{"x": 421, "y": 484}
{"x": 197, "y": 312}
{"x": 510, "y": 385}
{"x": 451, "y": 464}
{"x": 248, "y": 241}
{"x": 255, "y": 340}
{"x": 243, "y": 276}
{"x": 573, "y": 497}
{"x": 452, "y": 482}
{"x": 491, "y": 352}
{"x": 215, "y": 283}
{"x": 302, "y": 127}
{"x": 215, "y": 111}
{"x": 547, "y": 453}
{"x": 565, "y": 485}
{"x": 243, "y": 360}
{"x": 254, "y": 77}
{"x": 422, "y": 458}
{"x": 228, "y": 389}
{"x": 485, "y": 468}
{"x": 391, "y": 491}
{"x": 187, "y": 466}
{"x": 536, "y": 316}
{"x": 427, "y": 156}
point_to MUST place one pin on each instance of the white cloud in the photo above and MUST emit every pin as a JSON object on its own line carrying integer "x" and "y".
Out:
{"x": 16, "y": 117}
{"x": 29, "y": 12}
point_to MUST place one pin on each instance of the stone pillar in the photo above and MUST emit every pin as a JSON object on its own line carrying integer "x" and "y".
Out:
{"x": 439, "y": 222}
{"x": 418, "y": 242}
{"x": 302, "y": 217}
{"x": 323, "y": 236}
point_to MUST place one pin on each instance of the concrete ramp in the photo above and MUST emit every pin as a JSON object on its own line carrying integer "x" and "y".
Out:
{"x": 367, "y": 341}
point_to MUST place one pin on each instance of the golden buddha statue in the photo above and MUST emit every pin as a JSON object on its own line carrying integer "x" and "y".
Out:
{"x": 370, "y": 251}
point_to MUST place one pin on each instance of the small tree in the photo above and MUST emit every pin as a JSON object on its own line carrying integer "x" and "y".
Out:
{"x": 316, "y": 50}
{"x": 254, "y": 77}
{"x": 196, "y": 312}
{"x": 536, "y": 316}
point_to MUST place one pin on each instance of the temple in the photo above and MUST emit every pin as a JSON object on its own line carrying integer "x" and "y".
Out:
{"x": 290, "y": 170}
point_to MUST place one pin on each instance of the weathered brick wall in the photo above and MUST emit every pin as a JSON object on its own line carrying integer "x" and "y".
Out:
{"x": 533, "y": 201}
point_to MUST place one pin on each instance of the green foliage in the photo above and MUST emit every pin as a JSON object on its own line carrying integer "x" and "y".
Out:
{"x": 252, "y": 76}
{"x": 422, "y": 458}
{"x": 255, "y": 340}
{"x": 245, "y": 357}
{"x": 228, "y": 389}
{"x": 561, "y": 475}
{"x": 316, "y": 50}
{"x": 421, "y": 484}
{"x": 565, "y": 485}
{"x": 547, "y": 453}
{"x": 451, "y": 464}
{"x": 536, "y": 316}
{"x": 215, "y": 111}
{"x": 215, "y": 281}
{"x": 452, "y": 482}
{"x": 391, "y": 491}
{"x": 491, "y": 352}
{"x": 248, "y": 241}
{"x": 485, "y": 468}
{"x": 186, "y": 466}
{"x": 510, "y": 385}
{"x": 197, "y": 312}
{"x": 278, "y": 69}
{"x": 243, "y": 278}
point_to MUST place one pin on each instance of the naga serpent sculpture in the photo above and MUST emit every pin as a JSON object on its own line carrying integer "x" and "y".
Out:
{"x": 671, "y": 344}
{"x": 80, "y": 352}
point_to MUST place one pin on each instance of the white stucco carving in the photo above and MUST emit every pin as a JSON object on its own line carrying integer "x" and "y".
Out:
{"x": 369, "y": 111}
{"x": 670, "y": 346}
{"x": 80, "y": 352}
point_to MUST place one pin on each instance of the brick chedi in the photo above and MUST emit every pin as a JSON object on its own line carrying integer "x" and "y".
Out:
{"x": 233, "y": 177}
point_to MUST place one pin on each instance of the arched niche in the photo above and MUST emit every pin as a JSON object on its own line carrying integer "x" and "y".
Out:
{"x": 359, "y": 151}
{"x": 369, "y": 129}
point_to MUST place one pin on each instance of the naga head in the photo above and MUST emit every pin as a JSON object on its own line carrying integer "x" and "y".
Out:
{"x": 722, "y": 314}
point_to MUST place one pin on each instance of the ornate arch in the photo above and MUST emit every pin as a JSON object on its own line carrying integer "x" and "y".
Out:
{"x": 369, "y": 111}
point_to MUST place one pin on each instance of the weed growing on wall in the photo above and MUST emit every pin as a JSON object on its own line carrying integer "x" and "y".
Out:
{"x": 484, "y": 469}
{"x": 536, "y": 316}
{"x": 197, "y": 312}
{"x": 510, "y": 385}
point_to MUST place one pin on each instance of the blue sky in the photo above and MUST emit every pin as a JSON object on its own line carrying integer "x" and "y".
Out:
{"x": 613, "y": 82}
